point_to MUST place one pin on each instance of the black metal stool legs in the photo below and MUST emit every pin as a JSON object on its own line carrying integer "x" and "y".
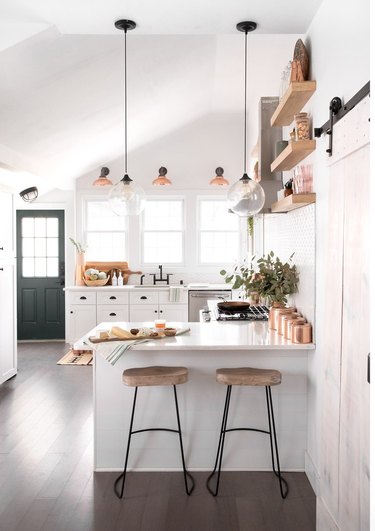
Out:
{"x": 122, "y": 476}
{"x": 186, "y": 473}
{"x": 220, "y": 448}
{"x": 284, "y": 489}
{"x": 273, "y": 442}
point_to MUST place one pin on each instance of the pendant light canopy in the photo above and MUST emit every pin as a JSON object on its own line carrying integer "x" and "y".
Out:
{"x": 103, "y": 180}
{"x": 126, "y": 198}
{"x": 162, "y": 180}
{"x": 219, "y": 179}
{"x": 246, "y": 197}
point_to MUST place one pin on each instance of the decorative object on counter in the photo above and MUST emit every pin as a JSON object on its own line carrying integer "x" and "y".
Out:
{"x": 302, "y": 333}
{"x": 110, "y": 267}
{"x": 285, "y": 79}
{"x": 302, "y": 180}
{"x": 80, "y": 262}
{"x": 120, "y": 279}
{"x": 114, "y": 278}
{"x": 126, "y": 198}
{"x": 103, "y": 180}
{"x": 292, "y": 317}
{"x": 29, "y": 194}
{"x": 246, "y": 197}
{"x": 282, "y": 316}
{"x": 300, "y": 54}
{"x": 268, "y": 275}
{"x": 162, "y": 180}
{"x": 219, "y": 179}
{"x": 302, "y": 126}
{"x": 93, "y": 277}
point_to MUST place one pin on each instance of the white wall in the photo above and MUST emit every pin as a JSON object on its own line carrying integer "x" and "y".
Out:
{"x": 338, "y": 41}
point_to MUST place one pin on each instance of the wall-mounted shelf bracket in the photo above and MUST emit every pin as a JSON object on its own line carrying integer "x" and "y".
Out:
{"x": 337, "y": 111}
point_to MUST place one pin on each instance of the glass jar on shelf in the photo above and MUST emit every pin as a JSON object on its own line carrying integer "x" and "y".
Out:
{"x": 302, "y": 126}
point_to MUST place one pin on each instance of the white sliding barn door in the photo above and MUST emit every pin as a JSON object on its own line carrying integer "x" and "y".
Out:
{"x": 343, "y": 501}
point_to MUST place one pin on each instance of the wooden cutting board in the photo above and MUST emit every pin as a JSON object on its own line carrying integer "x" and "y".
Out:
{"x": 93, "y": 339}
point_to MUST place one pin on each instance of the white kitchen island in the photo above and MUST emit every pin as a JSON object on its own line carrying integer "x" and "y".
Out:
{"x": 205, "y": 348}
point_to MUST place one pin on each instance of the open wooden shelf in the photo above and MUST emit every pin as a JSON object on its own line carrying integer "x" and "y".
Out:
{"x": 293, "y": 201}
{"x": 295, "y": 98}
{"x": 293, "y": 154}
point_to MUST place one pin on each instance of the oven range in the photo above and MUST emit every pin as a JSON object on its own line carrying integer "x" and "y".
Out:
{"x": 253, "y": 313}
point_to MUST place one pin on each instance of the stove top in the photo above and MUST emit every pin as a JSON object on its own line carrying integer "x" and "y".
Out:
{"x": 253, "y": 313}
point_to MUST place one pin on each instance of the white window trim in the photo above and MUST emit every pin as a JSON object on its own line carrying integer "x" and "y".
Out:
{"x": 182, "y": 264}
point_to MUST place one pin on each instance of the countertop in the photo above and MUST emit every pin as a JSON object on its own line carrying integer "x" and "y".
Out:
{"x": 243, "y": 335}
{"x": 137, "y": 287}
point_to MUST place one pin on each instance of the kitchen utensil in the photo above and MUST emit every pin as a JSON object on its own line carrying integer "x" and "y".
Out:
{"x": 233, "y": 305}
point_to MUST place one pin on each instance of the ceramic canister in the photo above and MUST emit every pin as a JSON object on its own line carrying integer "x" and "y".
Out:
{"x": 273, "y": 315}
{"x": 284, "y": 312}
{"x": 301, "y": 333}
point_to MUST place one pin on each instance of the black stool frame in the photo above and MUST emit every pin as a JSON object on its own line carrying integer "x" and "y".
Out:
{"x": 122, "y": 476}
{"x": 284, "y": 488}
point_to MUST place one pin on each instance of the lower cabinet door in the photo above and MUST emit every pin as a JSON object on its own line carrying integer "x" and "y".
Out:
{"x": 80, "y": 320}
{"x": 141, "y": 313}
{"x": 173, "y": 312}
{"x": 112, "y": 313}
{"x": 8, "y": 348}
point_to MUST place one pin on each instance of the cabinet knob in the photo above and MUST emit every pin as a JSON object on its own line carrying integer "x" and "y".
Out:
{"x": 112, "y": 314}
{"x": 155, "y": 311}
{"x": 161, "y": 311}
{"x": 1, "y": 248}
{"x": 71, "y": 311}
{"x": 83, "y": 298}
{"x": 112, "y": 298}
{"x": 144, "y": 297}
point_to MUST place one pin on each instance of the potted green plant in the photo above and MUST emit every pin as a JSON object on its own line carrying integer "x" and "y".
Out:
{"x": 268, "y": 276}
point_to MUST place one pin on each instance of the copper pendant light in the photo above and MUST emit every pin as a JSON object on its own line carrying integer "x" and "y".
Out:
{"x": 219, "y": 180}
{"x": 103, "y": 180}
{"x": 246, "y": 197}
{"x": 162, "y": 180}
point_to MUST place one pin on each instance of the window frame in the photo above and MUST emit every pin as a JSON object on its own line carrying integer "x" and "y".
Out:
{"x": 176, "y": 265}
{"x": 241, "y": 242}
{"x": 85, "y": 231}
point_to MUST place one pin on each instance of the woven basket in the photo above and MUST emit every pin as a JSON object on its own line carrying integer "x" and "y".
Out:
{"x": 99, "y": 282}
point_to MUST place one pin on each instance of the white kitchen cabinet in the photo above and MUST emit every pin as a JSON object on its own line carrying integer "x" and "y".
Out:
{"x": 146, "y": 312}
{"x": 8, "y": 343}
{"x": 115, "y": 312}
{"x": 80, "y": 314}
{"x": 7, "y": 226}
{"x": 150, "y": 305}
{"x": 173, "y": 312}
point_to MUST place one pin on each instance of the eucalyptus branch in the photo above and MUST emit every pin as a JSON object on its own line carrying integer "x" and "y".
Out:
{"x": 80, "y": 248}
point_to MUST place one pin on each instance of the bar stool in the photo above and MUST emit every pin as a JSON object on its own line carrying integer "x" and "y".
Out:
{"x": 253, "y": 377}
{"x": 154, "y": 376}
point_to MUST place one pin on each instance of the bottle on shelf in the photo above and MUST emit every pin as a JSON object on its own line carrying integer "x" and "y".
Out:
{"x": 114, "y": 279}
{"x": 120, "y": 280}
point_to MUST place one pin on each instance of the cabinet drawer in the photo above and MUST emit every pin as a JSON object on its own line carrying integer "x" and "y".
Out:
{"x": 144, "y": 297}
{"x": 164, "y": 298}
{"x": 113, "y": 313}
{"x": 110, "y": 297}
{"x": 82, "y": 297}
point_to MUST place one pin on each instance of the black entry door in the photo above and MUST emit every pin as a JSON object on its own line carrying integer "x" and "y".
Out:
{"x": 40, "y": 274}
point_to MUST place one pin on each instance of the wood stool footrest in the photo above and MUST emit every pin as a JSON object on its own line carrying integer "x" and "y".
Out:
{"x": 248, "y": 376}
{"x": 157, "y": 375}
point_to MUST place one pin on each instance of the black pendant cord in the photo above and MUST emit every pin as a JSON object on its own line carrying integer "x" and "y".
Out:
{"x": 125, "y": 108}
{"x": 245, "y": 120}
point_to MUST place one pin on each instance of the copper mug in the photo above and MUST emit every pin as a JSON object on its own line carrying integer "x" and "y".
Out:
{"x": 301, "y": 333}
{"x": 274, "y": 314}
{"x": 285, "y": 312}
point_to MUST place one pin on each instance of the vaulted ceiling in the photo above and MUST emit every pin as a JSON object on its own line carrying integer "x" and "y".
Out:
{"x": 61, "y": 64}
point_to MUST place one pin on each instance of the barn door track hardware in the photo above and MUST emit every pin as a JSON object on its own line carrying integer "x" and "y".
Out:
{"x": 337, "y": 111}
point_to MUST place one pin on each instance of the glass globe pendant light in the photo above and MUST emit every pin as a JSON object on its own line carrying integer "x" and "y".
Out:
{"x": 246, "y": 197}
{"x": 126, "y": 198}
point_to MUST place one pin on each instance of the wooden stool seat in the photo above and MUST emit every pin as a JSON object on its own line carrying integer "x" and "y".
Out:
{"x": 145, "y": 376}
{"x": 248, "y": 376}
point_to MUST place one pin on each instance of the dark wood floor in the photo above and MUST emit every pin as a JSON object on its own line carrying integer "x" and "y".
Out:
{"x": 46, "y": 479}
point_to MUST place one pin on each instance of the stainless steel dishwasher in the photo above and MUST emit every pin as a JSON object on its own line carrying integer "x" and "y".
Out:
{"x": 198, "y": 300}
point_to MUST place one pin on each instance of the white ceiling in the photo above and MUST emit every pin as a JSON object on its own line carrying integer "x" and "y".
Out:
{"x": 62, "y": 83}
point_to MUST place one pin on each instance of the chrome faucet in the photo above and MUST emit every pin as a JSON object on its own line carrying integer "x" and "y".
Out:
{"x": 161, "y": 278}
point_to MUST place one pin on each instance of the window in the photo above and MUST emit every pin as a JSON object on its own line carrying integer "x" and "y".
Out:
{"x": 219, "y": 234}
{"x": 40, "y": 247}
{"x": 106, "y": 233}
{"x": 163, "y": 232}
